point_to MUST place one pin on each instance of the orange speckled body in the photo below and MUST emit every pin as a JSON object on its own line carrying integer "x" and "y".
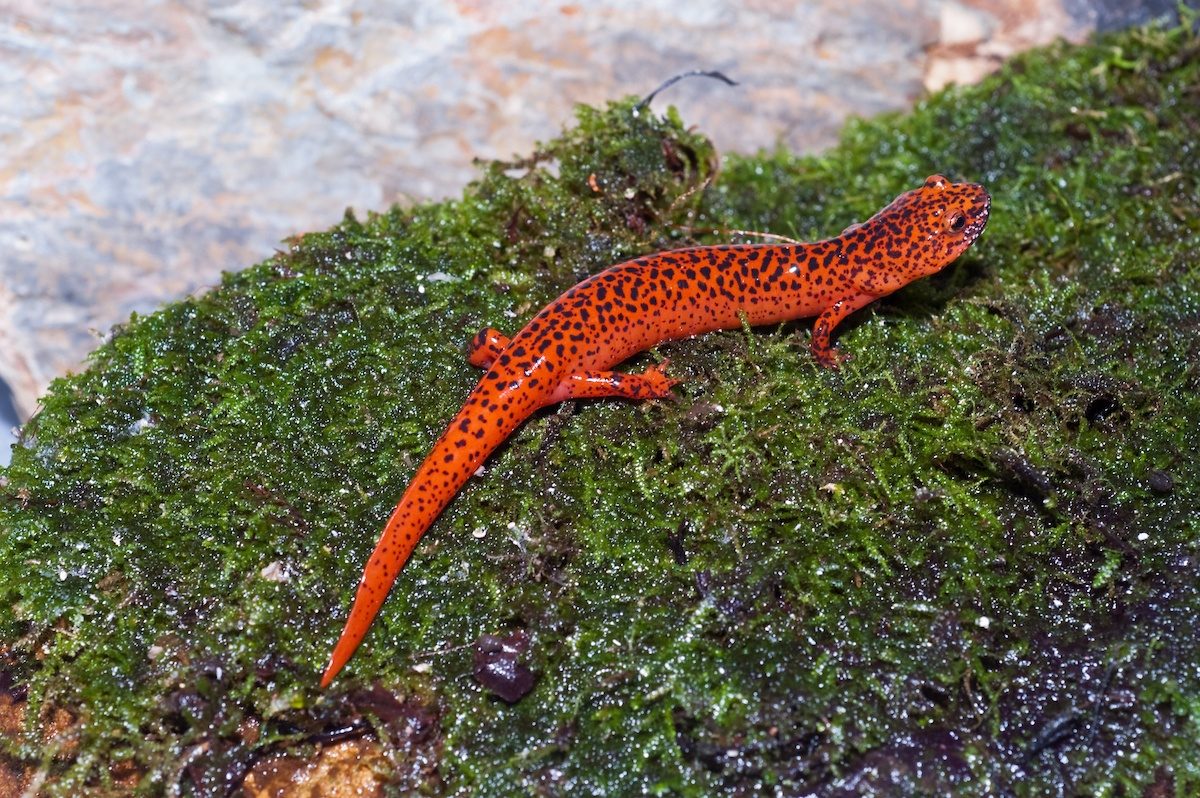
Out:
{"x": 565, "y": 351}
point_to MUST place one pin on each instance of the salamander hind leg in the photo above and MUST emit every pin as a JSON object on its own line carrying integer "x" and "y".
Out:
{"x": 653, "y": 383}
{"x": 485, "y": 347}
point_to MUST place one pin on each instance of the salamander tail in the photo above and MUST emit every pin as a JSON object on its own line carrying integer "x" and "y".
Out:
{"x": 395, "y": 545}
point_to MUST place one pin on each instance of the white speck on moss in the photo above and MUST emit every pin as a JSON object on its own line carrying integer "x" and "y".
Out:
{"x": 275, "y": 572}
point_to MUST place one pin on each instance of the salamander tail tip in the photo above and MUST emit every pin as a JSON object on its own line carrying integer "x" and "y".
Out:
{"x": 331, "y": 671}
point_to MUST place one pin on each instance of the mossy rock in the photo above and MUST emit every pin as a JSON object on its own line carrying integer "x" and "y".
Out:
{"x": 965, "y": 563}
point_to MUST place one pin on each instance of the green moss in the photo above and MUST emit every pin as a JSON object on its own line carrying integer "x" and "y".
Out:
{"x": 965, "y": 561}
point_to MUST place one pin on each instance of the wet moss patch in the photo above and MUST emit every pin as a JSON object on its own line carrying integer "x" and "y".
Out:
{"x": 965, "y": 562}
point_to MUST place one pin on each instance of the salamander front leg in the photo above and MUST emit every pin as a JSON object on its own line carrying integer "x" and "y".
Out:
{"x": 485, "y": 347}
{"x": 821, "y": 346}
{"x": 653, "y": 383}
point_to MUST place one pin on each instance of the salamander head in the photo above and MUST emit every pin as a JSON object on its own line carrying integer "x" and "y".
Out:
{"x": 920, "y": 232}
{"x": 946, "y": 217}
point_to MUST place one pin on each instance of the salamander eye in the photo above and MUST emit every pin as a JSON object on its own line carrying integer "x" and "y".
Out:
{"x": 956, "y": 221}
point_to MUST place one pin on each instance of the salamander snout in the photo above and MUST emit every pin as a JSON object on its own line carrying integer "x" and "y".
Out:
{"x": 972, "y": 215}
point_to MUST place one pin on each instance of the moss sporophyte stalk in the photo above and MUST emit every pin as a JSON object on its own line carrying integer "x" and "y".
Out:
{"x": 963, "y": 563}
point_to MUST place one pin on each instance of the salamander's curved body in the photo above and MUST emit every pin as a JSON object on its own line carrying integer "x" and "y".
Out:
{"x": 566, "y": 350}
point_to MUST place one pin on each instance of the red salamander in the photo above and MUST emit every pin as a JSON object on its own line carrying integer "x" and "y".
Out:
{"x": 566, "y": 350}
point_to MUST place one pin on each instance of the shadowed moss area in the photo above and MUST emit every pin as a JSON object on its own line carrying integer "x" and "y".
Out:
{"x": 964, "y": 562}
